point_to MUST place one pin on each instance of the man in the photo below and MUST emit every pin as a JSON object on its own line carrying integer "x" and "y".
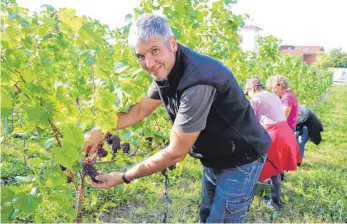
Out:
{"x": 211, "y": 118}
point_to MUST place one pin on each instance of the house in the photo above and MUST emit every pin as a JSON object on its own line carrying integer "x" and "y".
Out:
{"x": 306, "y": 53}
{"x": 248, "y": 38}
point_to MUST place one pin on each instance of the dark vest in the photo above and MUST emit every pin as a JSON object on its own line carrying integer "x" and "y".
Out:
{"x": 233, "y": 135}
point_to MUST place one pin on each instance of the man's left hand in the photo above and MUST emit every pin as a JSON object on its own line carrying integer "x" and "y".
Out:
{"x": 108, "y": 180}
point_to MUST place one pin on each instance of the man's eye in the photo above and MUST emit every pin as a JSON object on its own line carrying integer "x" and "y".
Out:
{"x": 155, "y": 51}
{"x": 140, "y": 57}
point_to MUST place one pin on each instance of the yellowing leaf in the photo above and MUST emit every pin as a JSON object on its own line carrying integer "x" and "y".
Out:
{"x": 75, "y": 23}
{"x": 104, "y": 99}
{"x": 66, "y": 14}
{"x": 106, "y": 121}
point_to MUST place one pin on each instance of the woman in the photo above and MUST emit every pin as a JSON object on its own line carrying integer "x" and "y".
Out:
{"x": 308, "y": 127}
{"x": 279, "y": 84}
{"x": 284, "y": 152}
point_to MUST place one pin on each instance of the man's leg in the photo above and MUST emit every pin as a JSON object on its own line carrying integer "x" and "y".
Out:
{"x": 208, "y": 189}
{"x": 234, "y": 192}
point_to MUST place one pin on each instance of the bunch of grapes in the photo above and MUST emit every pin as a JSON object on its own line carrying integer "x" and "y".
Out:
{"x": 90, "y": 170}
{"x": 101, "y": 151}
{"x": 116, "y": 144}
{"x": 125, "y": 147}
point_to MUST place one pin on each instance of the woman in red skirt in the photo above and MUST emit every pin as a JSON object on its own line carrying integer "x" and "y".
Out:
{"x": 284, "y": 153}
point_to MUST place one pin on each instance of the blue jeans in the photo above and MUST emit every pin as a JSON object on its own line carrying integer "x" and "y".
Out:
{"x": 227, "y": 193}
{"x": 302, "y": 139}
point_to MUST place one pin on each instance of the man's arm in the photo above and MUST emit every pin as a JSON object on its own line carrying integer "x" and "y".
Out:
{"x": 180, "y": 144}
{"x": 137, "y": 112}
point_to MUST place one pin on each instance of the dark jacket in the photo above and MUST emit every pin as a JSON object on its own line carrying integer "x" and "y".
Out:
{"x": 233, "y": 135}
{"x": 314, "y": 128}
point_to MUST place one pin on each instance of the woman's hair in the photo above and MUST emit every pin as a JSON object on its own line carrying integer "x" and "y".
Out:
{"x": 258, "y": 88}
{"x": 277, "y": 80}
{"x": 147, "y": 27}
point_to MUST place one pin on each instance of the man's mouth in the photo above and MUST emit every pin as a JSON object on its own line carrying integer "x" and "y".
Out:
{"x": 155, "y": 70}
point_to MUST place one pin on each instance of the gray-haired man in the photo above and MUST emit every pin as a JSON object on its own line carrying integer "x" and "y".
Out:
{"x": 211, "y": 118}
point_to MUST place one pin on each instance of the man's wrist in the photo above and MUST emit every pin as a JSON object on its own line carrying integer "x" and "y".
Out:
{"x": 125, "y": 179}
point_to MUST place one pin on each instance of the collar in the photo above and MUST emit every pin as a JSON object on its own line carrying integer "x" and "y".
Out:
{"x": 170, "y": 83}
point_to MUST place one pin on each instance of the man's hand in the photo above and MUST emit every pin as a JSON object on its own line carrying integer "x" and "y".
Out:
{"x": 92, "y": 139}
{"x": 108, "y": 180}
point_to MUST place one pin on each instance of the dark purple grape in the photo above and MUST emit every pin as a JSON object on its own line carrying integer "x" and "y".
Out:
{"x": 90, "y": 170}
{"x": 115, "y": 144}
{"x": 102, "y": 152}
{"x": 108, "y": 138}
{"x": 125, "y": 147}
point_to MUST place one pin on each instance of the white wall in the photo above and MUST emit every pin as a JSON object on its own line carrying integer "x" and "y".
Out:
{"x": 249, "y": 42}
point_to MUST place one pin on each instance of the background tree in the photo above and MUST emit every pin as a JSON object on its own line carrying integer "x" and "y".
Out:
{"x": 324, "y": 61}
{"x": 339, "y": 58}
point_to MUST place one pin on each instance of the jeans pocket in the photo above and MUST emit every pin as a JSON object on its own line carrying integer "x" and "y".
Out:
{"x": 244, "y": 169}
{"x": 236, "y": 211}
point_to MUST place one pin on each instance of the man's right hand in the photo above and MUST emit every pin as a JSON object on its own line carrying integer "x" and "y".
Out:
{"x": 92, "y": 139}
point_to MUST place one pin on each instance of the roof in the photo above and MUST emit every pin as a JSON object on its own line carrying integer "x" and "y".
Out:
{"x": 301, "y": 50}
{"x": 251, "y": 27}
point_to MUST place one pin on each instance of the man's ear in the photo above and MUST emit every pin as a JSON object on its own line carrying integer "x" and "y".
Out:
{"x": 173, "y": 44}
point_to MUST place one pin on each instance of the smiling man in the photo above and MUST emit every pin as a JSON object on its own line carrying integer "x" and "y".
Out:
{"x": 212, "y": 121}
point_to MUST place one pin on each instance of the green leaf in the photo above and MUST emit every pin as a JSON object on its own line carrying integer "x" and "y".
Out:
{"x": 39, "y": 219}
{"x": 6, "y": 211}
{"x": 25, "y": 129}
{"x": 6, "y": 104}
{"x": 6, "y": 194}
{"x": 24, "y": 202}
{"x": 73, "y": 136}
{"x": 20, "y": 55}
{"x": 36, "y": 114}
{"x": 67, "y": 156}
{"x": 104, "y": 100}
{"x": 60, "y": 199}
{"x": 90, "y": 60}
{"x": 35, "y": 162}
{"x": 54, "y": 177}
{"x": 71, "y": 212}
{"x": 106, "y": 121}
{"x": 46, "y": 62}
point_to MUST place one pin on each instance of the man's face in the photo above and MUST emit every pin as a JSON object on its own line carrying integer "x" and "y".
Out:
{"x": 157, "y": 57}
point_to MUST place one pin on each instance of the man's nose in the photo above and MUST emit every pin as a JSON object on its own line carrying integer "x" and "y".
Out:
{"x": 149, "y": 62}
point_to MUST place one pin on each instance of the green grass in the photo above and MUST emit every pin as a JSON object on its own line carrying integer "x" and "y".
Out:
{"x": 316, "y": 192}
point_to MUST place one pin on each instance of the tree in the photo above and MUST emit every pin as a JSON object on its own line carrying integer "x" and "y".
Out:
{"x": 324, "y": 61}
{"x": 339, "y": 58}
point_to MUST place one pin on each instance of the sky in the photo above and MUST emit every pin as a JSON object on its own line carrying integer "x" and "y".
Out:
{"x": 295, "y": 22}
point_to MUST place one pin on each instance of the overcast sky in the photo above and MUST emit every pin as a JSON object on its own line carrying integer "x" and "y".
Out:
{"x": 296, "y": 22}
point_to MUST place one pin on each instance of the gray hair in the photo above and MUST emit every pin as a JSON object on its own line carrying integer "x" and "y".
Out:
{"x": 277, "y": 80}
{"x": 148, "y": 26}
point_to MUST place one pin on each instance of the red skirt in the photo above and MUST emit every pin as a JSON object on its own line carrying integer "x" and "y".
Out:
{"x": 284, "y": 152}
